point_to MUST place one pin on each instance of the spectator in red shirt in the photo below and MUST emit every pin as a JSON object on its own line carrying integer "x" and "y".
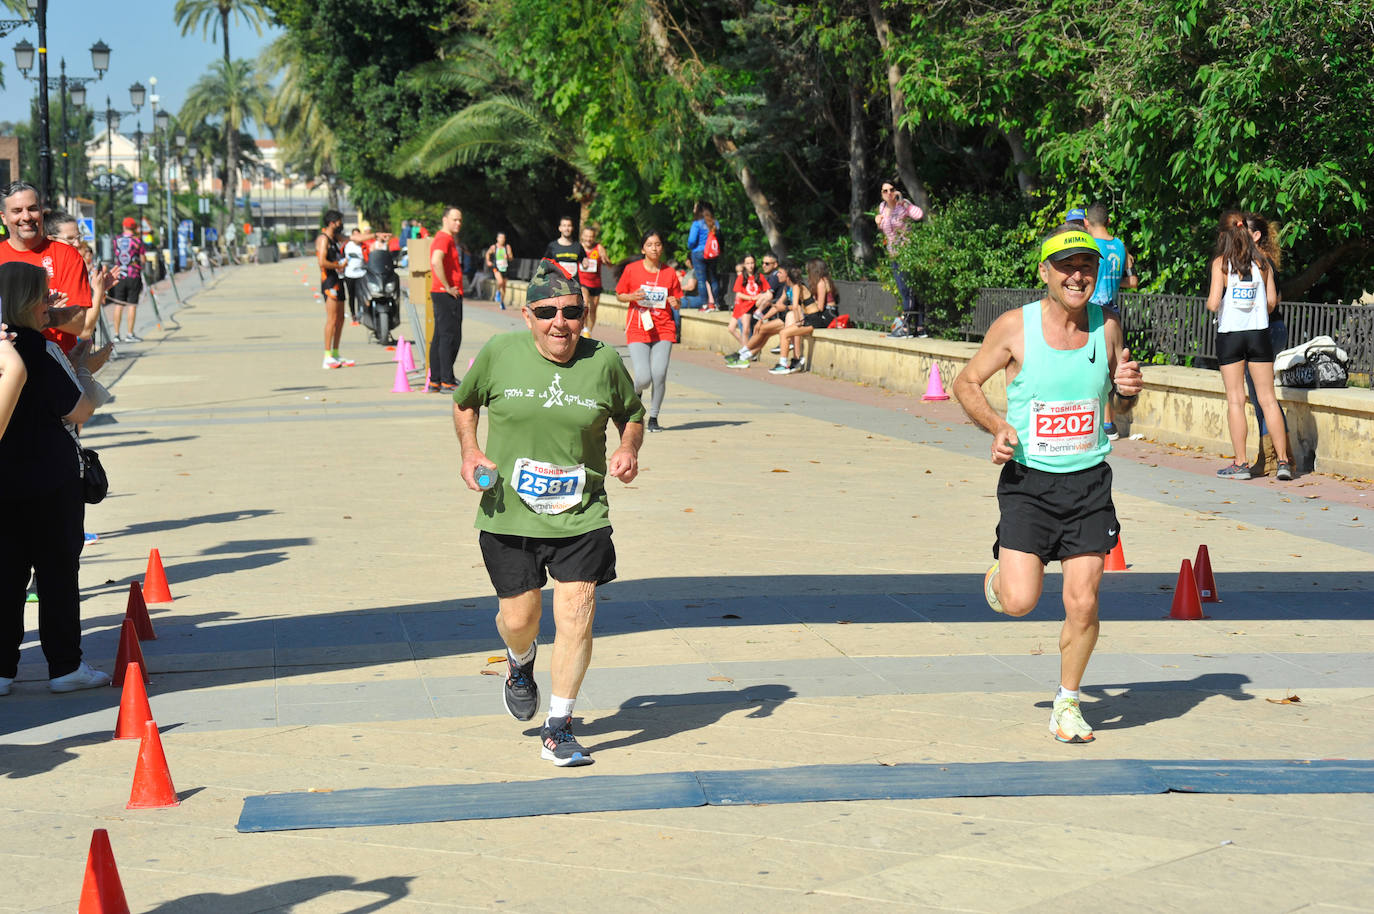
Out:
{"x": 23, "y": 218}
{"x": 446, "y": 294}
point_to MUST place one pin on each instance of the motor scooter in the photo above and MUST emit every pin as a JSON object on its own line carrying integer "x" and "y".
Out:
{"x": 382, "y": 309}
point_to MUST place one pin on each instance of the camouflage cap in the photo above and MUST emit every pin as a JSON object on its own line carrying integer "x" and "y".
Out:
{"x": 550, "y": 280}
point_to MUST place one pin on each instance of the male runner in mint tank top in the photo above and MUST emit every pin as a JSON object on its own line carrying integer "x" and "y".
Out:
{"x": 1062, "y": 356}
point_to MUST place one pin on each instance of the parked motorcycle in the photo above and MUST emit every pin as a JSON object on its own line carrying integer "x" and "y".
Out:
{"x": 382, "y": 309}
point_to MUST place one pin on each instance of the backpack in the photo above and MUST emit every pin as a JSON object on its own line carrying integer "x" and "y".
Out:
{"x": 1317, "y": 363}
{"x": 712, "y": 249}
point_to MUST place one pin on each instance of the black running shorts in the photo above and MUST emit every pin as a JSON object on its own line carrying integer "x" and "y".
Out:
{"x": 1245, "y": 346}
{"x": 517, "y": 564}
{"x": 126, "y": 291}
{"x": 1056, "y": 515}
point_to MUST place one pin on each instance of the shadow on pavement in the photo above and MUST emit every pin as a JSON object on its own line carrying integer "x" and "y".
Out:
{"x": 690, "y": 711}
{"x": 180, "y": 523}
{"x": 27, "y": 761}
{"x": 96, "y": 442}
{"x": 286, "y": 895}
{"x": 1142, "y": 703}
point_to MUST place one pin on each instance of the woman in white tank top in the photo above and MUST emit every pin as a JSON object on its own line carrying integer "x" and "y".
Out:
{"x": 1242, "y": 294}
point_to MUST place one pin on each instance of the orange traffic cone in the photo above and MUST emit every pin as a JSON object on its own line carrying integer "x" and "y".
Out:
{"x": 1187, "y": 603}
{"x": 1116, "y": 559}
{"x": 155, "y": 580}
{"x": 934, "y": 389}
{"x": 1202, "y": 570}
{"x": 152, "y": 781}
{"x": 138, "y": 612}
{"x": 102, "y": 892}
{"x": 129, "y": 652}
{"x": 134, "y": 711}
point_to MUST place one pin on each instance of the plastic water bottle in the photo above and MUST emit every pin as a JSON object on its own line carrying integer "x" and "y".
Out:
{"x": 485, "y": 477}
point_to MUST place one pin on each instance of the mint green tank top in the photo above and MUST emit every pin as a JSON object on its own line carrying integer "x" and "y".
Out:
{"x": 1055, "y": 401}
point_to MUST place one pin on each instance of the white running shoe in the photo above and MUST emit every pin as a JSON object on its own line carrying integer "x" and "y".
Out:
{"x": 83, "y": 677}
{"x": 1067, "y": 724}
{"x": 331, "y": 362}
{"x": 990, "y": 592}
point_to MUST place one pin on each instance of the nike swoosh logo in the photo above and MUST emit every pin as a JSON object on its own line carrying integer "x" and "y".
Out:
{"x": 1111, "y": 533}
{"x": 1093, "y": 358}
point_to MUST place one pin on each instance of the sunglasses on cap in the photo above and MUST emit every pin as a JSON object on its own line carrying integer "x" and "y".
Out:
{"x": 547, "y": 312}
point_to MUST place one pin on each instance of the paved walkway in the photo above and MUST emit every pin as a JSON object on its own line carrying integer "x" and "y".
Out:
{"x": 800, "y": 568}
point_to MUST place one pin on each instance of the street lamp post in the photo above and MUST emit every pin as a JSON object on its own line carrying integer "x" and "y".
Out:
{"x": 111, "y": 117}
{"x": 24, "y": 56}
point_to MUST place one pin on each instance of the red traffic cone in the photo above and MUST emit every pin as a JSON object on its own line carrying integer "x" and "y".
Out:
{"x": 402, "y": 383}
{"x": 399, "y": 347}
{"x": 1187, "y": 603}
{"x": 134, "y": 711}
{"x": 129, "y": 652}
{"x": 155, "y": 580}
{"x": 138, "y": 612}
{"x": 152, "y": 781}
{"x": 1202, "y": 570}
{"x": 102, "y": 892}
{"x": 934, "y": 389}
{"x": 407, "y": 357}
{"x": 1116, "y": 559}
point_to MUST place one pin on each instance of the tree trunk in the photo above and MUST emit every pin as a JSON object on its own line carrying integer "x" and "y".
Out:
{"x": 1305, "y": 280}
{"x": 727, "y": 148}
{"x": 860, "y": 226}
{"x": 224, "y": 29}
{"x": 231, "y": 171}
{"x": 1023, "y": 162}
{"x": 901, "y": 137}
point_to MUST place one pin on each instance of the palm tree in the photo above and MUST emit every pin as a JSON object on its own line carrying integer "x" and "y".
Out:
{"x": 211, "y": 17}
{"x": 506, "y": 120}
{"x": 232, "y": 93}
{"x": 304, "y": 139}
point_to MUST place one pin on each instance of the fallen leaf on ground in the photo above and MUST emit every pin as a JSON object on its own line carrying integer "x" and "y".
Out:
{"x": 1038, "y": 650}
{"x": 719, "y": 679}
{"x": 729, "y": 616}
{"x": 501, "y": 658}
{"x": 688, "y": 510}
{"x": 776, "y": 470}
{"x": 1290, "y": 700}
{"x": 491, "y": 672}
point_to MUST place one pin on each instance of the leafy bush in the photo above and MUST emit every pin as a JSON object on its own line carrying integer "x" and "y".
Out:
{"x": 966, "y": 243}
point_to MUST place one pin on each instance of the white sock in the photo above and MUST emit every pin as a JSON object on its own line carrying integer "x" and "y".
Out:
{"x": 524, "y": 658}
{"x": 560, "y": 708}
{"x": 1065, "y": 693}
{"x": 745, "y": 352}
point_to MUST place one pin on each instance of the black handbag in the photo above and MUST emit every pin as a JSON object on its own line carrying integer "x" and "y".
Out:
{"x": 95, "y": 484}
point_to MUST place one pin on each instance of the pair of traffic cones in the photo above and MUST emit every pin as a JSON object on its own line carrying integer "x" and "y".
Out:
{"x": 1196, "y": 585}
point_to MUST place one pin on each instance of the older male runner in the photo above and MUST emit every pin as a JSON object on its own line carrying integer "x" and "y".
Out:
{"x": 549, "y": 395}
{"x": 1061, "y": 356}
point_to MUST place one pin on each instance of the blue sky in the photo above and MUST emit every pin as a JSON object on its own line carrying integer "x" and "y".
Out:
{"x": 144, "y": 42}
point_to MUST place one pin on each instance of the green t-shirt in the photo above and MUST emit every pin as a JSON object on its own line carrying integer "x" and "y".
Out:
{"x": 554, "y": 414}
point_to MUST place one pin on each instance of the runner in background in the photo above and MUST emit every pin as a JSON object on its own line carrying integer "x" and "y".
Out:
{"x": 589, "y": 275}
{"x": 498, "y": 259}
{"x": 329, "y": 256}
{"x": 128, "y": 264}
{"x": 1117, "y": 269}
{"x": 564, "y": 249}
{"x": 653, "y": 294}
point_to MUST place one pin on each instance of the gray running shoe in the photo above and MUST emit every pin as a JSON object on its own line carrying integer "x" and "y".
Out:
{"x": 521, "y": 692}
{"x": 1235, "y": 471}
{"x": 1285, "y": 471}
{"x": 560, "y": 746}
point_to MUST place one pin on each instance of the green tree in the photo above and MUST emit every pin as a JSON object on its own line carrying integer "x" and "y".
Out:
{"x": 211, "y": 17}
{"x": 307, "y": 143}
{"x": 230, "y": 93}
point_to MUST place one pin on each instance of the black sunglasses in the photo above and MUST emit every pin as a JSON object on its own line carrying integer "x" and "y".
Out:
{"x": 547, "y": 312}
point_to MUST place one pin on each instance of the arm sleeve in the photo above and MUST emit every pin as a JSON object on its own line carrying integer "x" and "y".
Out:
{"x": 475, "y": 390}
{"x": 674, "y": 286}
{"x": 626, "y": 283}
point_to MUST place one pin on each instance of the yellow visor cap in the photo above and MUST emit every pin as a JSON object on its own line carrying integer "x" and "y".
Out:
{"x": 1066, "y": 244}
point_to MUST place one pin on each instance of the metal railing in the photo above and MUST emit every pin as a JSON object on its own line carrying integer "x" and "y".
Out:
{"x": 1180, "y": 327}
